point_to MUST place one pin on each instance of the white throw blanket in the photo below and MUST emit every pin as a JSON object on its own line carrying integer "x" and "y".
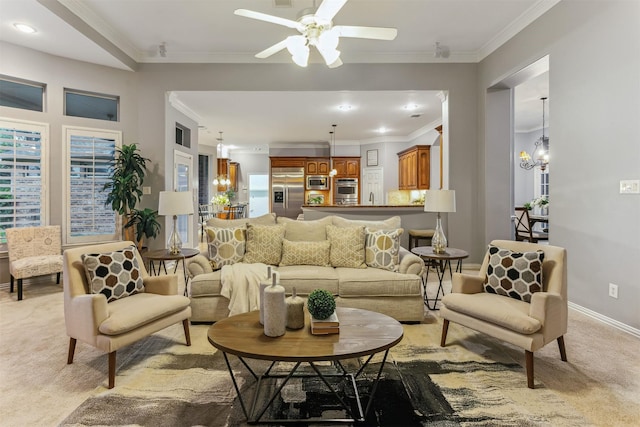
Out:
{"x": 241, "y": 285}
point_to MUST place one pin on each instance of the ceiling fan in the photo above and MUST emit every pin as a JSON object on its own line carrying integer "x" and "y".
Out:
{"x": 317, "y": 29}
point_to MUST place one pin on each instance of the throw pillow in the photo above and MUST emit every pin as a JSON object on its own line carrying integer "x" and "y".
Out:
{"x": 115, "y": 274}
{"x": 388, "y": 224}
{"x": 305, "y": 253}
{"x": 382, "y": 248}
{"x": 307, "y": 231}
{"x": 264, "y": 244}
{"x": 514, "y": 274}
{"x": 266, "y": 219}
{"x": 226, "y": 245}
{"x": 347, "y": 246}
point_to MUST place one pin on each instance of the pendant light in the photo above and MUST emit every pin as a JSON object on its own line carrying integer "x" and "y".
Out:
{"x": 540, "y": 150}
{"x": 221, "y": 179}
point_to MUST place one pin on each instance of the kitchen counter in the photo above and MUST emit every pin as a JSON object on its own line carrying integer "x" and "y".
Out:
{"x": 362, "y": 206}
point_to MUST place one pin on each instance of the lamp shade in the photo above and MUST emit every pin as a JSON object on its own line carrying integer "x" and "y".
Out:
{"x": 175, "y": 203}
{"x": 440, "y": 201}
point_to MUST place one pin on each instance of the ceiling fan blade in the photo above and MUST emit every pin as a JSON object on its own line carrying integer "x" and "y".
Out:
{"x": 272, "y": 50}
{"x": 378, "y": 33}
{"x": 267, "y": 18}
{"x": 329, "y": 8}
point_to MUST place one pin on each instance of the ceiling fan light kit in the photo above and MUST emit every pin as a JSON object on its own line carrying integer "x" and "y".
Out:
{"x": 316, "y": 29}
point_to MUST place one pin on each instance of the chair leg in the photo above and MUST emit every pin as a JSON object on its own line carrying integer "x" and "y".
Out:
{"x": 563, "y": 351}
{"x": 529, "y": 364}
{"x": 187, "y": 335}
{"x": 58, "y": 278}
{"x": 112, "y": 369}
{"x": 11, "y": 287}
{"x": 445, "y": 329}
{"x": 72, "y": 350}
{"x": 19, "y": 289}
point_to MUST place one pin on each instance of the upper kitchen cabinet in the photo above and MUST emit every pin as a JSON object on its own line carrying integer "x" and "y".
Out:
{"x": 233, "y": 175}
{"x": 223, "y": 170}
{"x": 317, "y": 166}
{"x": 347, "y": 167}
{"x": 414, "y": 168}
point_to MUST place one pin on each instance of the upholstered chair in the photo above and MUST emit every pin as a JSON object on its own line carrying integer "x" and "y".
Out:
{"x": 34, "y": 251}
{"x": 528, "y": 316}
{"x": 123, "y": 320}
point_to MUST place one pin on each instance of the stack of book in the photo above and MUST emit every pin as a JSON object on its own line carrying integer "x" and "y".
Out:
{"x": 330, "y": 325}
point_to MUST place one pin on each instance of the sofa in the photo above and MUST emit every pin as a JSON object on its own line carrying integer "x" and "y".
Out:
{"x": 360, "y": 262}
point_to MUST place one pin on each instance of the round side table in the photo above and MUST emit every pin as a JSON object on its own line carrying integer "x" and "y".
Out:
{"x": 163, "y": 255}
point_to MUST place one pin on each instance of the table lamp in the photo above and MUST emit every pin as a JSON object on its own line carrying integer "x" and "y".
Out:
{"x": 439, "y": 201}
{"x": 175, "y": 203}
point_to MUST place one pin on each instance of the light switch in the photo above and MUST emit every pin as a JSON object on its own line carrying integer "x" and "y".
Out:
{"x": 630, "y": 186}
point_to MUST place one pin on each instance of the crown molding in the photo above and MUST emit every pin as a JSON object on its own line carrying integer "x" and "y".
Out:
{"x": 175, "y": 102}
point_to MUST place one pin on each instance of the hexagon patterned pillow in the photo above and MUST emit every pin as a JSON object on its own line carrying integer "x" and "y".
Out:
{"x": 514, "y": 274}
{"x": 115, "y": 274}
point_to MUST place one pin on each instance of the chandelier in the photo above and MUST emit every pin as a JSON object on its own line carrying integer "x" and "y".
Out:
{"x": 222, "y": 179}
{"x": 332, "y": 134}
{"x": 540, "y": 150}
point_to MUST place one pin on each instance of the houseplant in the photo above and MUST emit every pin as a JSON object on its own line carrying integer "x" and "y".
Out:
{"x": 146, "y": 224}
{"x": 125, "y": 184}
{"x": 321, "y": 304}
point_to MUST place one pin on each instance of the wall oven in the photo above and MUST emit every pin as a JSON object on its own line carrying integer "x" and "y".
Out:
{"x": 317, "y": 182}
{"x": 346, "y": 191}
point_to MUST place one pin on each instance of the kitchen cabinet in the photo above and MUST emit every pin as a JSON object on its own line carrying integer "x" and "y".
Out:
{"x": 414, "y": 168}
{"x": 347, "y": 167}
{"x": 285, "y": 162}
{"x": 317, "y": 167}
{"x": 233, "y": 175}
{"x": 223, "y": 171}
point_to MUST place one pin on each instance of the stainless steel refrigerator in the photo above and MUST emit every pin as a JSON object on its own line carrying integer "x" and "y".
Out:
{"x": 287, "y": 191}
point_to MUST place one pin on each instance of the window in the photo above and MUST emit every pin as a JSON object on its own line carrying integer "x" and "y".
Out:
{"x": 203, "y": 179}
{"x": 90, "y": 155}
{"x": 23, "y": 172}
{"x": 91, "y": 105}
{"x": 17, "y": 93}
{"x": 183, "y": 135}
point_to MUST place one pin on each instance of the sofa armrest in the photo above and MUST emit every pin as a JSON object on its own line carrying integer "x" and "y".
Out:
{"x": 467, "y": 283}
{"x": 410, "y": 263}
{"x": 161, "y": 285}
{"x": 84, "y": 314}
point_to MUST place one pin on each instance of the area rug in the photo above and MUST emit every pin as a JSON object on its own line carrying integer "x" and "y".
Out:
{"x": 162, "y": 382}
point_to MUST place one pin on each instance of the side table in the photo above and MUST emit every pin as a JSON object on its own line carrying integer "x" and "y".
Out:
{"x": 163, "y": 255}
{"x": 441, "y": 261}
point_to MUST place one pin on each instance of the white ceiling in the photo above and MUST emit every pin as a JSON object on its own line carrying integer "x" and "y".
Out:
{"x": 124, "y": 33}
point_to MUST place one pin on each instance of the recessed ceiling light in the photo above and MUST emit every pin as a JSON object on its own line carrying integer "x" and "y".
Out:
{"x": 382, "y": 129}
{"x": 345, "y": 107}
{"x": 25, "y": 28}
{"x": 411, "y": 107}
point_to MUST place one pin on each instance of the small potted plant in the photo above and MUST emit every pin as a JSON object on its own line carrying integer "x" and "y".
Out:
{"x": 321, "y": 304}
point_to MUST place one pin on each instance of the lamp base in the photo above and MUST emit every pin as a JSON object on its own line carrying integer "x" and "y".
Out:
{"x": 439, "y": 241}
{"x": 174, "y": 243}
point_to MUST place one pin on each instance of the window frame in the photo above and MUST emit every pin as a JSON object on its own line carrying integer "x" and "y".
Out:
{"x": 67, "y": 91}
{"x": 43, "y": 129}
{"x": 31, "y": 83}
{"x": 67, "y": 133}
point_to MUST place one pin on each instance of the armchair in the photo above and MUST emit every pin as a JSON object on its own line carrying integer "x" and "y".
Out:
{"x": 528, "y": 325}
{"x": 111, "y": 326}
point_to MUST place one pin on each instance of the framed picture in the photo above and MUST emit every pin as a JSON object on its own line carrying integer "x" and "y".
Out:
{"x": 372, "y": 157}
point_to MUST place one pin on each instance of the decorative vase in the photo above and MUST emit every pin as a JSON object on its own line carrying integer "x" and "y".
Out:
{"x": 275, "y": 309}
{"x": 263, "y": 284}
{"x": 439, "y": 241}
{"x": 295, "y": 311}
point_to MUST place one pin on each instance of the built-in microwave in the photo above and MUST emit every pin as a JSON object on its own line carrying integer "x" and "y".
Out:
{"x": 317, "y": 182}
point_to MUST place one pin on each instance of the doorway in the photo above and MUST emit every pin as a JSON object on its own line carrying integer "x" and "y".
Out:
{"x": 182, "y": 166}
{"x": 258, "y": 195}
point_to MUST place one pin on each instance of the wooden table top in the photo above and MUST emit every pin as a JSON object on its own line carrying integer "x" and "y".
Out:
{"x": 449, "y": 254}
{"x": 164, "y": 255}
{"x": 362, "y": 333}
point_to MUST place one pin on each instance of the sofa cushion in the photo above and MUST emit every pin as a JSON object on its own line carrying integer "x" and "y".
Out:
{"x": 264, "y": 244}
{"x": 226, "y": 245}
{"x": 115, "y": 274}
{"x": 507, "y": 312}
{"x": 347, "y": 246}
{"x": 382, "y": 248}
{"x": 305, "y": 230}
{"x": 514, "y": 274}
{"x": 387, "y": 224}
{"x": 266, "y": 219}
{"x": 306, "y": 278}
{"x": 305, "y": 253}
{"x": 374, "y": 282}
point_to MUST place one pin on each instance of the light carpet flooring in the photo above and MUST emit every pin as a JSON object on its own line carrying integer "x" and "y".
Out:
{"x": 601, "y": 381}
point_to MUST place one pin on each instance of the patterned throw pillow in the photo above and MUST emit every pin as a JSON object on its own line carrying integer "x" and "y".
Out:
{"x": 115, "y": 274}
{"x": 264, "y": 243}
{"x": 514, "y": 274}
{"x": 382, "y": 248}
{"x": 305, "y": 253}
{"x": 347, "y": 246}
{"x": 226, "y": 245}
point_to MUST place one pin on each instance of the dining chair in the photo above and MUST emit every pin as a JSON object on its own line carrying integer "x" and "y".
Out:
{"x": 205, "y": 213}
{"x": 524, "y": 227}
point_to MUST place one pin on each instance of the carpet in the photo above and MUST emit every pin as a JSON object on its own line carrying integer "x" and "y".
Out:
{"x": 161, "y": 382}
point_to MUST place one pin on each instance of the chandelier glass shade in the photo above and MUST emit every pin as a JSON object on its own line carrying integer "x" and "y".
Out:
{"x": 539, "y": 157}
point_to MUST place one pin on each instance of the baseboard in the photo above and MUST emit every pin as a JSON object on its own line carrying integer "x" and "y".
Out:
{"x": 606, "y": 320}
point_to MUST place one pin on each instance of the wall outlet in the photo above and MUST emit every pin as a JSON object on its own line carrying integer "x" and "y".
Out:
{"x": 630, "y": 186}
{"x": 613, "y": 290}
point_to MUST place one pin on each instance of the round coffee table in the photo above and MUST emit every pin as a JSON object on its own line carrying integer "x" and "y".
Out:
{"x": 440, "y": 261}
{"x": 362, "y": 333}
